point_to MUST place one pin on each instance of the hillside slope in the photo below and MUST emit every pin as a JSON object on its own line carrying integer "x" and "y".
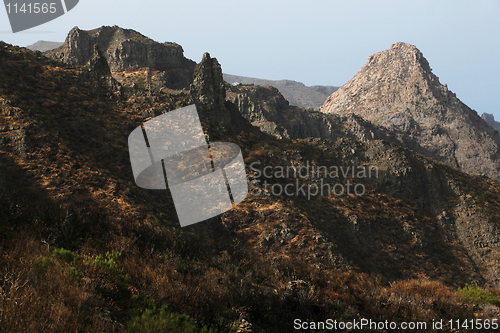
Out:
{"x": 84, "y": 249}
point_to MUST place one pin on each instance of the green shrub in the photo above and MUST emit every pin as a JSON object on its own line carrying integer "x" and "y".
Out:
{"x": 45, "y": 264}
{"x": 65, "y": 255}
{"x": 110, "y": 262}
{"x": 151, "y": 320}
{"x": 73, "y": 272}
{"x": 478, "y": 295}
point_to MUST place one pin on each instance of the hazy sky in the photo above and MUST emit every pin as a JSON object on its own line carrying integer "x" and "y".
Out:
{"x": 314, "y": 42}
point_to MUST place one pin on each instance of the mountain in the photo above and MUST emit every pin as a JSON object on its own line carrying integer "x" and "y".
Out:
{"x": 127, "y": 50}
{"x": 295, "y": 92}
{"x": 490, "y": 120}
{"x": 83, "y": 248}
{"x": 396, "y": 89}
{"x": 44, "y": 46}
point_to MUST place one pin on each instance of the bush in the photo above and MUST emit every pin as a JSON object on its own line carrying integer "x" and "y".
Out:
{"x": 151, "y": 320}
{"x": 66, "y": 255}
{"x": 478, "y": 295}
{"x": 44, "y": 264}
{"x": 110, "y": 263}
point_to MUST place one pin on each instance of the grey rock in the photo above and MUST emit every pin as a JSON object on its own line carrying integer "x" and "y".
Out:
{"x": 490, "y": 120}
{"x": 208, "y": 90}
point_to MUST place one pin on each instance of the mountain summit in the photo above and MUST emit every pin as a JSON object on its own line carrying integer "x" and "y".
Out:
{"x": 127, "y": 49}
{"x": 396, "y": 89}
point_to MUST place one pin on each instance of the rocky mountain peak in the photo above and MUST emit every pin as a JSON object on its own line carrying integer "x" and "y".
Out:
{"x": 126, "y": 49}
{"x": 398, "y": 81}
{"x": 396, "y": 89}
{"x": 399, "y": 54}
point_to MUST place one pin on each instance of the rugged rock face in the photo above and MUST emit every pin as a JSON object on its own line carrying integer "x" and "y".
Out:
{"x": 490, "y": 120}
{"x": 397, "y": 90}
{"x": 208, "y": 92}
{"x": 126, "y": 49}
{"x": 258, "y": 104}
{"x": 99, "y": 72}
{"x": 266, "y": 108}
{"x": 208, "y": 89}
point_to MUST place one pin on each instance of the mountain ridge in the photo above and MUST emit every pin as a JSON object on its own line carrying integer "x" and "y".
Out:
{"x": 296, "y": 93}
{"x": 43, "y": 46}
{"x": 125, "y": 50}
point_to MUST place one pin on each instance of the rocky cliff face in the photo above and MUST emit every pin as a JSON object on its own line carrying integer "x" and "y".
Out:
{"x": 126, "y": 49}
{"x": 265, "y": 107}
{"x": 490, "y": 120}
{"x": 397, "y": 90}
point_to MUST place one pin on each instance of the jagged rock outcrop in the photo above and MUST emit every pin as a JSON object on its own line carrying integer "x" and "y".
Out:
{"x": 208, "y": 92}
{"x": 397, "y": 90}
{"x": 99, "y": 72}
{"x": 126, "y": 49}
{"x": 490, "y": 120}
{"x": 258, "y": 104}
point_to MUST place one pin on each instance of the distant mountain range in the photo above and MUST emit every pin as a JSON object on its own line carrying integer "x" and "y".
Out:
{"x": 490, "y": 120}
{"x": 44, "y": 46}
{"x": 296, "y": 93}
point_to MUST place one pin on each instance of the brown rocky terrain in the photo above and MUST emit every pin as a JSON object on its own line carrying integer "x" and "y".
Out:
{"x": 84, "y": 249}
{"x": 396, "y": 89}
